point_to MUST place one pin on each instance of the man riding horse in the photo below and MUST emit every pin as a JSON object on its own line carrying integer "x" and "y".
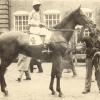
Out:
{"x": 36, "y": 35}
{"x": 36, "y": 27}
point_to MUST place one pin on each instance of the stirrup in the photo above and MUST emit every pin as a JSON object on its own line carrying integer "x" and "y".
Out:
{"x": 46, "y": 51}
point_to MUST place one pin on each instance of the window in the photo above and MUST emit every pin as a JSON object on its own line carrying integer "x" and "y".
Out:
{"x": 20, "y": 21}
{"x": 52, "y": 17}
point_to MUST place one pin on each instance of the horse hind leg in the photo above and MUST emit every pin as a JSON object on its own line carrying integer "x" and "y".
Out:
{"x": 2, "y": 81}
{"x": 58, "y": 86}
{"x": 51, "y": 85}
{"x": 3, "y": 66}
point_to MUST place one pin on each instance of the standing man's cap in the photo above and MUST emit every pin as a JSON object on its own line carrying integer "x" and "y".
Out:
{"x": 36, "y": 3}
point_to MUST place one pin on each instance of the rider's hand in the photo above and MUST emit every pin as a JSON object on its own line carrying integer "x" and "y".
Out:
{"x": 41, "y": 25}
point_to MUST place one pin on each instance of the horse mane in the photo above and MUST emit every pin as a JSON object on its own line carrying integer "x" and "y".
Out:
{"x": 67, "y": 18}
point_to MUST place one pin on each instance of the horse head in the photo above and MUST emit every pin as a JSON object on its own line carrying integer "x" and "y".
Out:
{"x": 81, "y": 19}
{"x": 76, "y": 17}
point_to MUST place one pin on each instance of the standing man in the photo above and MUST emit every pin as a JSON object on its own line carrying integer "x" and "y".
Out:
{"x": 23, "y": 64}
{"x": 90, "y": 42}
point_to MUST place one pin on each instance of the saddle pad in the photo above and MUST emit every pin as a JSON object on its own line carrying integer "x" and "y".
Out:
{"x": 35, "y": 40}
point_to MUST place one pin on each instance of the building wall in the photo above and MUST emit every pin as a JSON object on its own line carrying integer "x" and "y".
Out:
{"x": 4, "y": 16}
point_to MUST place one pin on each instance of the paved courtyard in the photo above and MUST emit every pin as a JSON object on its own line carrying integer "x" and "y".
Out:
{"x": 37, "y": 88}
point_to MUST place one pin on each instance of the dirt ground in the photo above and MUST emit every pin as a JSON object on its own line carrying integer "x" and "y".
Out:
{"x": 38, "y": 87}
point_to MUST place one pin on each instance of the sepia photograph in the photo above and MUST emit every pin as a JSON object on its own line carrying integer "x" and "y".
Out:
{"x": 49, "y": 49}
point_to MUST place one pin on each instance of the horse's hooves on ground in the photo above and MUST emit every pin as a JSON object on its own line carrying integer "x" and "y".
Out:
{"x": 6, "y": 93}
{"x": 60, "y": 94}
{"x": 53, "y": 93}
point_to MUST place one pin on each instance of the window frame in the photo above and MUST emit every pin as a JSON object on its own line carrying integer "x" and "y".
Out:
{"x": 52, "y": 17}
{"x": 20, "y": 19}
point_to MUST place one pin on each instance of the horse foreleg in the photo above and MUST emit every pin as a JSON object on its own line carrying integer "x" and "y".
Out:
{"x": 51, "y": 85}
{"x": 58, "y": 87}
{"x": 39, "y": 67}
{"x": 2, "y": 81}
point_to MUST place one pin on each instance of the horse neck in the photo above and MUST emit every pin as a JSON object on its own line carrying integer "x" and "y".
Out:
{"x": 70, "y": 26}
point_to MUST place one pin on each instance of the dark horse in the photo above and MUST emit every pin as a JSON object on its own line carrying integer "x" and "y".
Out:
{"x": 13, "y": 43}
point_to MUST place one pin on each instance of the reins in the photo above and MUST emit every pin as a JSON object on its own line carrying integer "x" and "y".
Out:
{"x": 61, "y": 30}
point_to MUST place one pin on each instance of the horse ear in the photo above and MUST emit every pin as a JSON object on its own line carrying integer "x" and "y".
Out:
{"x": 79, "y": 7}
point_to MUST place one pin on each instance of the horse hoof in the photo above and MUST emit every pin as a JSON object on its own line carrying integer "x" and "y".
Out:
{"x": 60, "y": 95}
{"x": 53, "y": 93}
{"x": 6, "y": 93}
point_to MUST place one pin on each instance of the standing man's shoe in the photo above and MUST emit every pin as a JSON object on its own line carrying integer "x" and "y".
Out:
{"x": 19, "y": 80}
{"x": 27, "y": 79}
{"x": 85, "y": 91}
